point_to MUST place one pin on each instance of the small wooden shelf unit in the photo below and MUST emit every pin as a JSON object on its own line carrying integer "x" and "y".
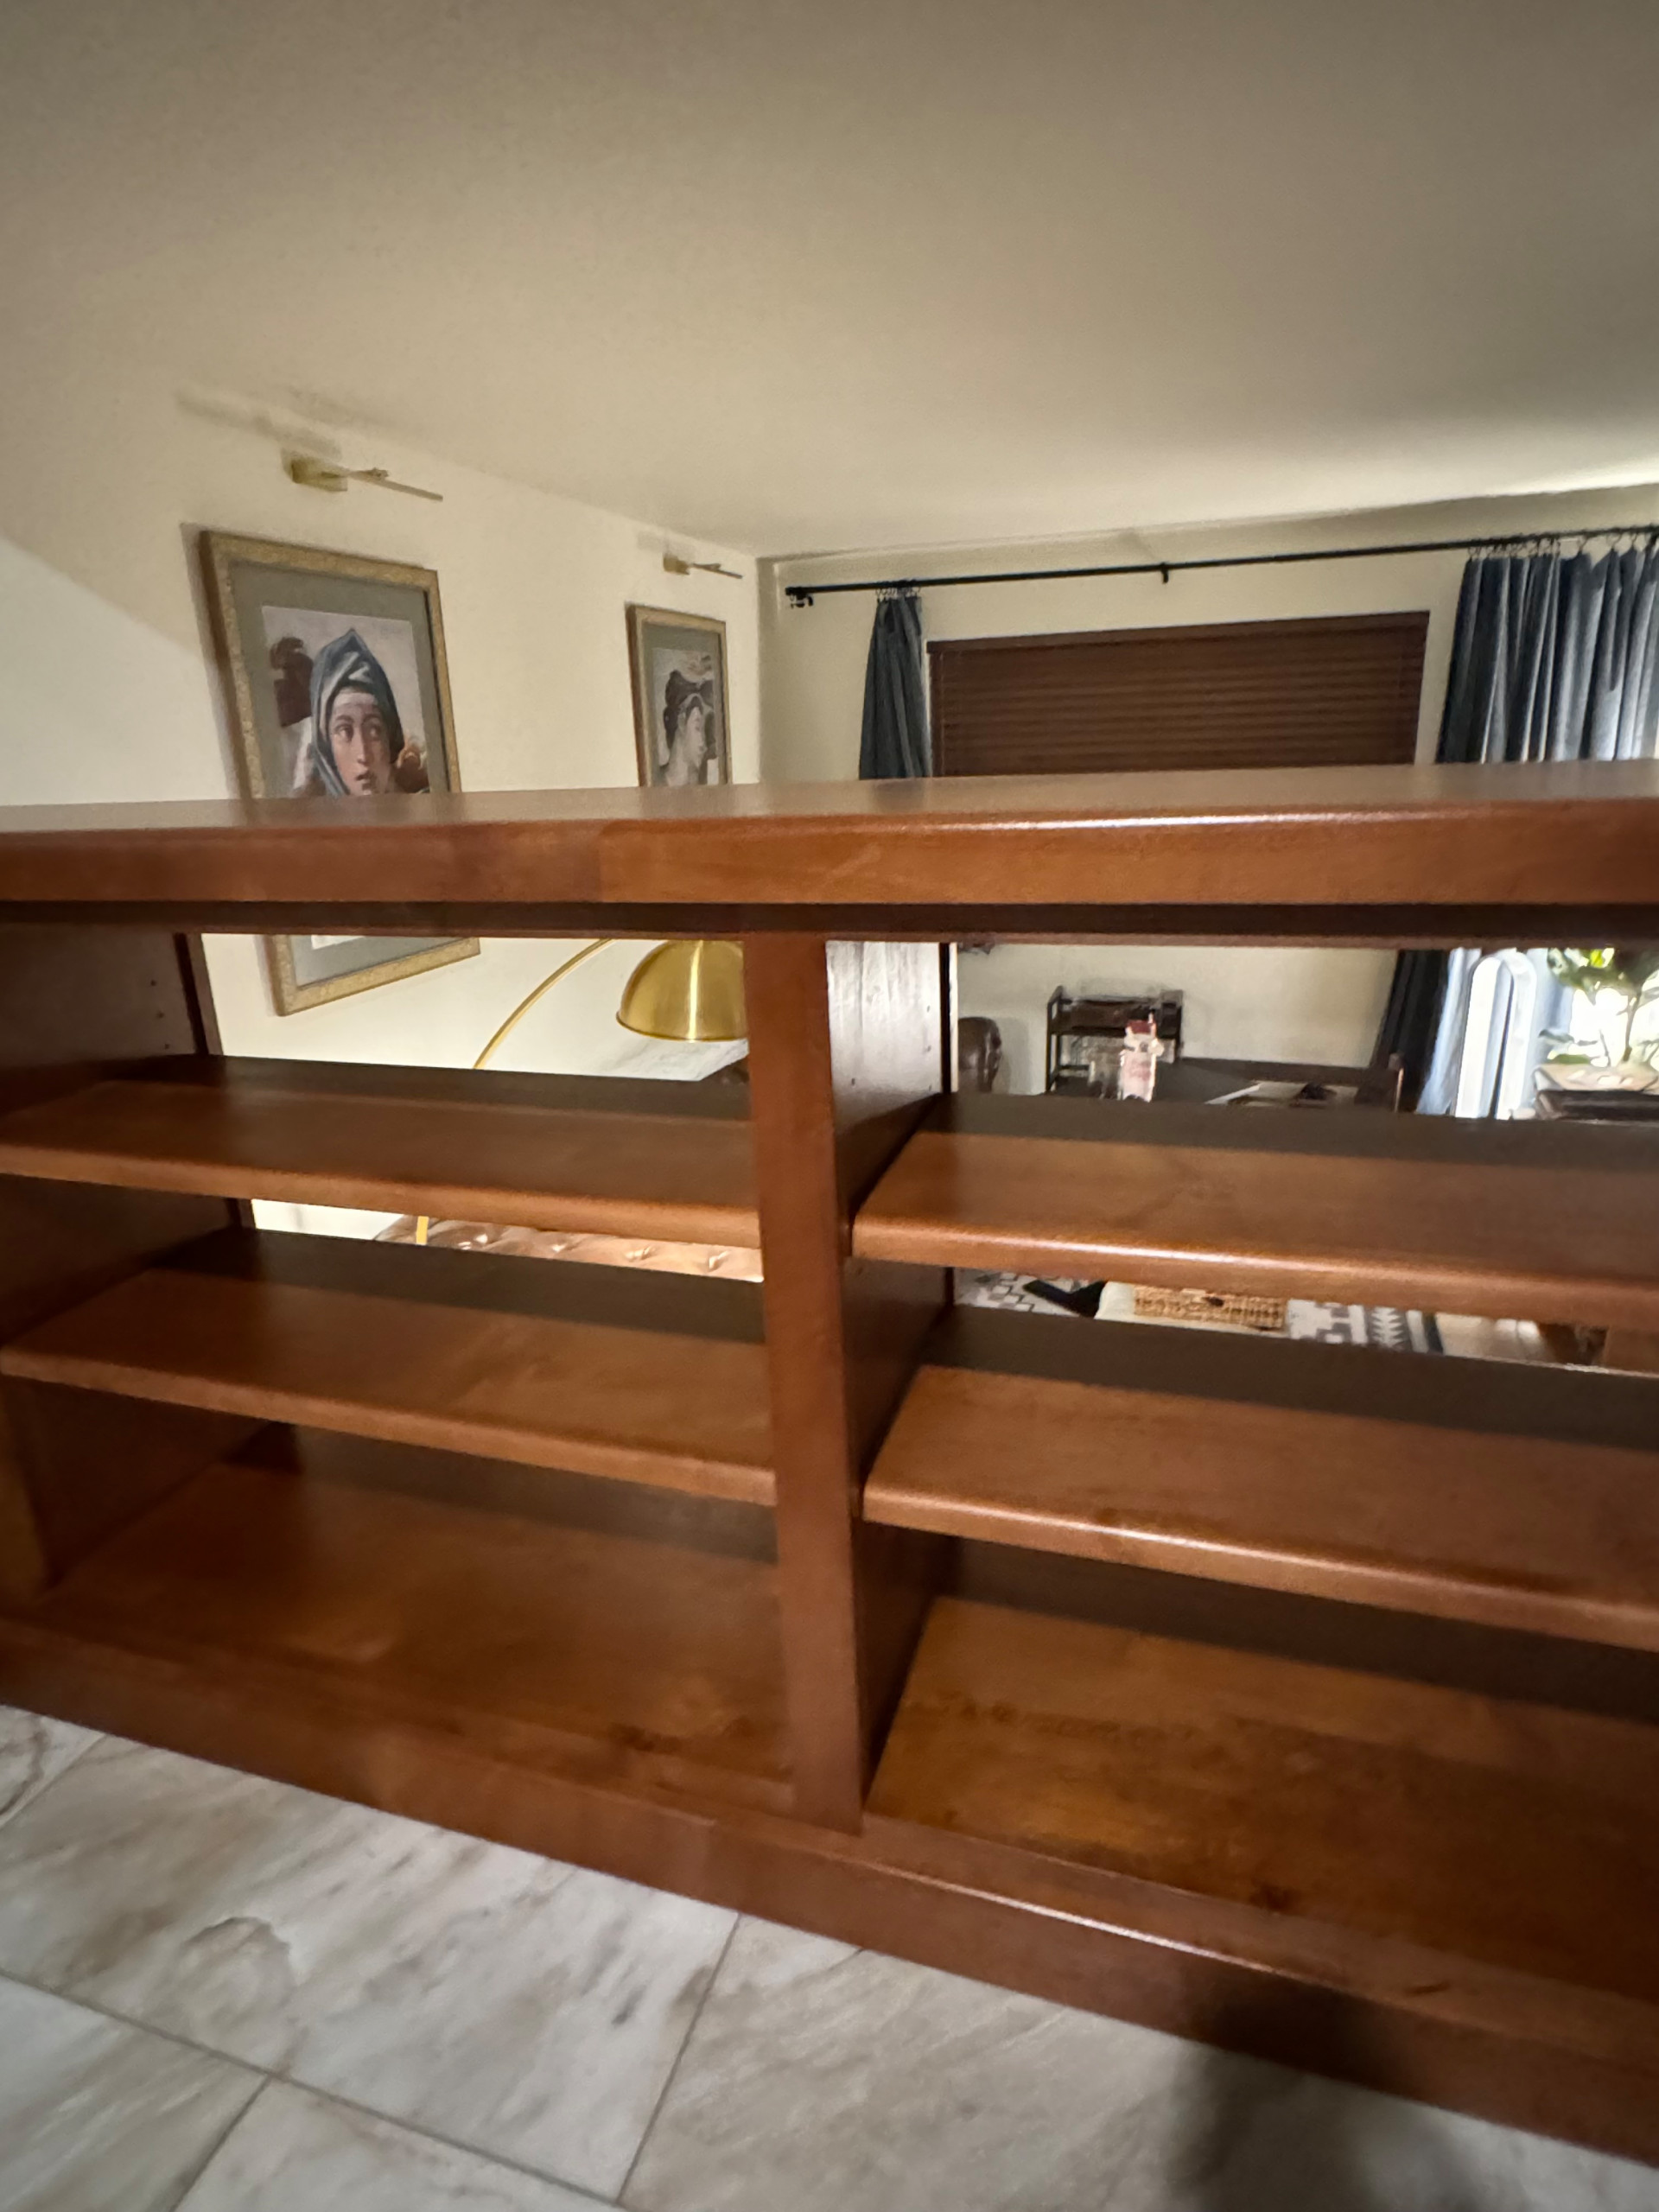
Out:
{"x": 1301, "y": 1697}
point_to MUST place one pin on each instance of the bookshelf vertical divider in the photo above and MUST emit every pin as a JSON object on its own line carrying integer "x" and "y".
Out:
{"x": 844, "y": 1051}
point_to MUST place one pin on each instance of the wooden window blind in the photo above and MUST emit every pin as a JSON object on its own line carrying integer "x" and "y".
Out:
{"x": 1328, "y": 690}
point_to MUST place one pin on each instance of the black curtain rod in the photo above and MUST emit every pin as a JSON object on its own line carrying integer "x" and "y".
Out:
{"x": 804, "y": 594}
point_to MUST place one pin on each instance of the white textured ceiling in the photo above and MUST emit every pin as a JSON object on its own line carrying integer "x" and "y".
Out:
{"x": 849, "y": 274}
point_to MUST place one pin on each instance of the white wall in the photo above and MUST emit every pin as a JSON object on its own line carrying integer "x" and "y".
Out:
{"x": 1241, "y": 1002}
{"x": 107, "y": 690}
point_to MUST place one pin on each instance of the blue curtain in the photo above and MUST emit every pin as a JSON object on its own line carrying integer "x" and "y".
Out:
{"x": 895, "y": 740}
{"x": 1554, "y": 657}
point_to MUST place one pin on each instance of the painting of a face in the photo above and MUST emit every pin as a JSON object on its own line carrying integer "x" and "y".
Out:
{"x": 679, "y": 698}
{"x": 360, "y": 743}
{"x": 352, "y": 709}
{"x": 692, "y": 739}
{"x": 335, "y": 674}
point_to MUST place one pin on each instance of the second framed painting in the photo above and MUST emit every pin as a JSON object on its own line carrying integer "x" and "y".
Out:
{"x": 680, "y": 722}
{"x": 335, "y": 672}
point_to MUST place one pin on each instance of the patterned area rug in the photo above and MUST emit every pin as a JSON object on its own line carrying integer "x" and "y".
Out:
{"x": 1389, "y": 1328}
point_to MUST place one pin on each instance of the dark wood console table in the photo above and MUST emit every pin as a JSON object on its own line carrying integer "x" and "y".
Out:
{"x": 1302, "y": 1698}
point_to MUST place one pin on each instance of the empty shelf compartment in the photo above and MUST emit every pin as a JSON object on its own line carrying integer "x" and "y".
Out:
{"x": 603, "y": 1371}
{"x": 1484, "y": 1829}
{"x": 1533, "y": 1221}
{"x": 1519, "y": 1497}
{"x": 594, "y": 1652}
{"x": 667, "y": 1159}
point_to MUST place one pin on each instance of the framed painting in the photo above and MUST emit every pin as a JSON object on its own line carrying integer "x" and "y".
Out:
{"x": 334, "y": 670}
{"x": 680, "y": 722}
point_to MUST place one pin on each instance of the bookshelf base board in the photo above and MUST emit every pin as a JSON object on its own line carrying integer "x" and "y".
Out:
{"x": 1510, "y": 2048}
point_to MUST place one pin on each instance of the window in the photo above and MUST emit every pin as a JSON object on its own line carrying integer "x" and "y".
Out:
{"x": 1229, "y": 695}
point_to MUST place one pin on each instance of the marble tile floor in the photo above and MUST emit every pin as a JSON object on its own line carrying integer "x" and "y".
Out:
{"x": 221, "y": 1994}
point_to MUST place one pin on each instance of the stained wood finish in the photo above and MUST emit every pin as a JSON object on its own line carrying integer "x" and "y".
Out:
{"x": 1437, "y": 1889}
{"x": 1509, "y": 1664}
{"x": 1538, "y": 2054}
{"x": 71, "y": 1000}
{"x": 1498, "y": 1218}
{"x": 1318, "y": 1468}
{"x": 687, "y": 1412}
{"x": 94, "y": 1464}
{"x": 566, "y": 1649}
{"x": 600, "y": 1503}
{"x": 561, "y": 1153}
{"x": 1517, "y": 1837}
{"x": 843, "y": 1042}
{"x": 1633, "y": 1352}
{"x": 1473, "y": 851}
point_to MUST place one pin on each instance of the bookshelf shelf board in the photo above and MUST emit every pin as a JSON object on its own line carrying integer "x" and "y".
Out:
{"x": 608, "y": 1373}
{"x": 1513, "y": 1219}
{"x": 605, "y": 1656}
{"x": 665, "y": 1160}
{"x": 1520, "y": 1500}
{"x": 1518, "y": 1836}
{"x": 1459, "y": 854}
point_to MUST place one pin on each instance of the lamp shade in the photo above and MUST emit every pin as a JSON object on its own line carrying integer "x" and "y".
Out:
{"x": 691, "y": 989}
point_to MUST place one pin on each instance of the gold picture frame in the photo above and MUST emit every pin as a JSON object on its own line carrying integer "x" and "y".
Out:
{"x": 280, "y": 612}
{"x": 681, "y": 716}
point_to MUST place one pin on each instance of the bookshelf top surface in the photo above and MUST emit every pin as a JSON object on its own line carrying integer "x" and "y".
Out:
{"x": 1388, "y": 852}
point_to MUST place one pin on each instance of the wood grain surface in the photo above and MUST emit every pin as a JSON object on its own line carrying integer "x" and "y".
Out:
{"x": 844, "y": 1047}
{"x": 1515, "y": 1835}
{"x": 1515, "y": 840}
{"x": 408, "y": 1146}
{"x": 73, "y": 1001}
{"x": 609, "y": 1657}
{"x": 1534, "y": 2053}
{"x": 687, "y": 1412}
{"x": 1389, "y": 1210}
{"x": 1538, "y": 1532}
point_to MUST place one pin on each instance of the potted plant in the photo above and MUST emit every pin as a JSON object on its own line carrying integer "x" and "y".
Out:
{"x": 1617, "y": 985}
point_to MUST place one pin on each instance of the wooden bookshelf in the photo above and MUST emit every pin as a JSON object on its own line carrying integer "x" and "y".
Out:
{"x": 1519, "y": 1498}
{"x": 1302, "y": 1699}
{"x": 1512, "y": 1219}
